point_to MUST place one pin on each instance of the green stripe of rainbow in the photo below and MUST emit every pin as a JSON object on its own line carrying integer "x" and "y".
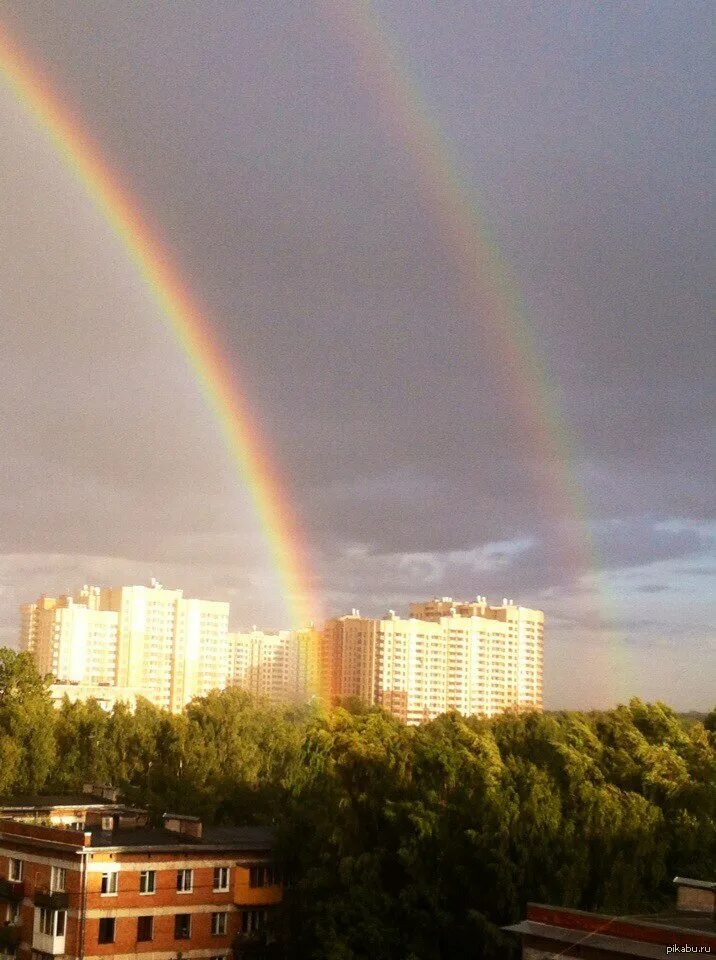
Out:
{"x": 216, "y": 381}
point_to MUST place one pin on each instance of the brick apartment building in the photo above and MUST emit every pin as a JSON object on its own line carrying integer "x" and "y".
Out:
{"x": 550, "y": 932}
{"x": 85, "y": 877}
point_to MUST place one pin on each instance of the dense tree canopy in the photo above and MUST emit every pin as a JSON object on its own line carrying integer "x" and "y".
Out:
{"x": 400, "y": 842}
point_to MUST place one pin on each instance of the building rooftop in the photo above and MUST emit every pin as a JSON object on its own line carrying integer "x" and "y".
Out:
{"x": 55, "y": 801}
{"x": 227, "y": 838}
{"x": 696, "y": 884}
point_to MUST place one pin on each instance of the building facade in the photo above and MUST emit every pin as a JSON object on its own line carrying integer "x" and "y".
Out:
{"x": 282, "y": 667}
{"x": 107, "y": 885}
{"x": 151, "y": 641}
{"x": 71, "y": 638}
{"x": 448, "y": 655}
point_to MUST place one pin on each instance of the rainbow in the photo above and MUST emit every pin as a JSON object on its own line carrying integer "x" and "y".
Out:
{"x": 195, "y": 336}
{"x": 488, "y": 288}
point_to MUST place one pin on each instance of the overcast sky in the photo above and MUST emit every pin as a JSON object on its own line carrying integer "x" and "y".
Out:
{"x": 299, "y": 219}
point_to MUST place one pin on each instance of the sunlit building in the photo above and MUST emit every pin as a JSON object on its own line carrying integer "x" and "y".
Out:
{"x": 71, "y": 638}
{"x": 88, "y": 876}
{"x": 151, "y": 641}
{"x": 469, "y": 657}
{"x": 283, "y": 667}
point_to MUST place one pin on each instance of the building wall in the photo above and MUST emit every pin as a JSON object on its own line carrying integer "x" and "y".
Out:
{"x": 72, "y": 641}
{"x": 283, "y": 667}
{"x": 350, "y": 647}
{"x": 695, "y": 899}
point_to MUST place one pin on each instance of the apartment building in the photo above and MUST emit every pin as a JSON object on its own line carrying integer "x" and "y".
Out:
{"x": 350, "y": 656}
{"x": 149, "y": 640}
{"x": 171, "y": 647}
{"x": 71, "y": 638}
{"x": 448, "y": 655}
{"x": 105, "y": 884}
{"x": 282, "y": 667}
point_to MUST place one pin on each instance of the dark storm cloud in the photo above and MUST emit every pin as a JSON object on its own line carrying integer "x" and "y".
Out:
{"x": 301, "y": 222}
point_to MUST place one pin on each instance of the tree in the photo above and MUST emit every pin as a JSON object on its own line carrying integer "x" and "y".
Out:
{"x": 27, "y": 720}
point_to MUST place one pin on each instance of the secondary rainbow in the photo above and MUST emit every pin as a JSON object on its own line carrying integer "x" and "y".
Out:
{"x": 487, "y": 285}
{"x": 193, "y": 332}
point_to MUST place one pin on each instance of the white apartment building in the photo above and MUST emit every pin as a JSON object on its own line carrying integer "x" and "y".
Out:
{"x": 448, "y": 655}
{"x": 282, "y": 667}
{"x": 70, "y": 639}
{"x": 151, "y": 641}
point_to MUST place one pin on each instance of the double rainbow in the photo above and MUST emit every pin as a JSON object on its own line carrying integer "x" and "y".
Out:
{"x": 487, "y": 288}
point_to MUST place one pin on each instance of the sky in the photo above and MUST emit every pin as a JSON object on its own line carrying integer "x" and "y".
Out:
{"x": 276, "y": 176}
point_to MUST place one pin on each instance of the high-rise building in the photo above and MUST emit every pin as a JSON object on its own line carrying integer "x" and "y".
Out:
{"x": 149, "y": 640}
{"x": 449, "y": 655}
{"x": 172, "y": 648}
{"x": 71, "y": 639}
{"x": 283, "y": 666}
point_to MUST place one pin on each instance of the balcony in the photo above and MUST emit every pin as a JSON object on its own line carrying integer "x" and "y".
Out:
{"x": 12, "y": 890}
{"x": 52, "y": 899}
{"x": 48, "y": 931}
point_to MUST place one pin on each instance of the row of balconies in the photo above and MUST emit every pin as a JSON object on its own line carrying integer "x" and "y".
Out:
{"x": 14, "y": 892}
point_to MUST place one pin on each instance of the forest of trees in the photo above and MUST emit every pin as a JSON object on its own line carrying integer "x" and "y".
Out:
{"x": 400, "y": 843}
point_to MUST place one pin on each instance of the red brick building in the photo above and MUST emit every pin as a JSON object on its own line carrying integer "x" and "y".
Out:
{"x": 549, "y": 932}
{"x": 109, "y": 885}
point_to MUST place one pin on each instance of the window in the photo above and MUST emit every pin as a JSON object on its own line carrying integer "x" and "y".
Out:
{"x": 108, "y": 886}
{"x": 263, "y": 875}
{"x": 106, "y": 930}
{"x": 15, "y": 870}
{"x": 221, "y": 878}
{"x": 52, "y": 922}
{"x": 182, "y": 926}
{"x": 185, "y": 881}
{"x": 13, "y": 913}
{"x": 218, "y": 924}
{"x": 252, "y": 921}
{"x": 147, "y": 881}
{"x": 58, "y": 879}
{"x": 145, "y": 929}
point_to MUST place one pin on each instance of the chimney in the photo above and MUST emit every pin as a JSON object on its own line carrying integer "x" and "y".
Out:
{"x": 183, "y": 824}
{"x": 695, "y": 896}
